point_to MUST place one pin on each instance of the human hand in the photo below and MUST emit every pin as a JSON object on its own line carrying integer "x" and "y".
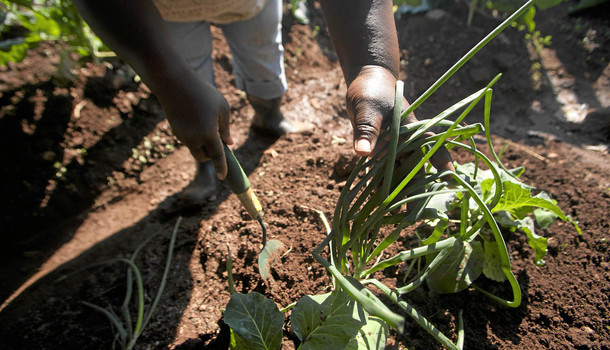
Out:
{"x": 199, "y": 117}
{"x": 370, "y": 104}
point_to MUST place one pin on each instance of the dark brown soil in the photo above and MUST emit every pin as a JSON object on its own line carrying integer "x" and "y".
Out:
{"x": 91, "y": 170}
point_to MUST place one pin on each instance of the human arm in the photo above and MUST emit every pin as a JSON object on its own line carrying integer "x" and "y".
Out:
{"x": 364, "y": 37}
{"x": 365, "y": 40}
{"x": 196, "y": 111}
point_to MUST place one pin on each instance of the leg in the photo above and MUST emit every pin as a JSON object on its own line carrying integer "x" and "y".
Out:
{"x": 258, "y": 65}
{"x": 258, "y": 54}
{"x": 194, "y": 41}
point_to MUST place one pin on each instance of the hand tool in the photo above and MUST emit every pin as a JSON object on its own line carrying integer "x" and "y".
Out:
{"x": 240, "y": 185}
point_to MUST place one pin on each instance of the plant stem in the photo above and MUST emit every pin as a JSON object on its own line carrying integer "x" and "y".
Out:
{"x": 421, "y": 320}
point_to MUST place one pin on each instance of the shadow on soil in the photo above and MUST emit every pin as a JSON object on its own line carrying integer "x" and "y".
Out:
{"x": 51, "y": 294}
{"x": 36, "y": 225}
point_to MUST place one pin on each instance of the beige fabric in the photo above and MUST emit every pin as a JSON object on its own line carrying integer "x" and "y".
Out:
{"x": 217, "y": 11}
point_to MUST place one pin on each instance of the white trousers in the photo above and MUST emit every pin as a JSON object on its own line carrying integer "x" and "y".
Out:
{"x": 256, "y": 48}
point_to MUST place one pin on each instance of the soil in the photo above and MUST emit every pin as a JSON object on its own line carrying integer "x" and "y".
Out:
{"x": 91, "y": 170}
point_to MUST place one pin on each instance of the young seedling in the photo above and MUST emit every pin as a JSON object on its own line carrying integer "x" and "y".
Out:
{"x": 128, "y": 332}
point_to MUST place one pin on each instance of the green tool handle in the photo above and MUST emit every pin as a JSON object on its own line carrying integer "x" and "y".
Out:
{"x": 236, "y": 177}
{"x": 240, "y": 185}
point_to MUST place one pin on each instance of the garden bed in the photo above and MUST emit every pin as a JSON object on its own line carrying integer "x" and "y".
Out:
{"x": 91, "y": 170}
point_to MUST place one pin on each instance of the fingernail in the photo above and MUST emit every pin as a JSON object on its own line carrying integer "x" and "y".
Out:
{"x": 363, "y": 146}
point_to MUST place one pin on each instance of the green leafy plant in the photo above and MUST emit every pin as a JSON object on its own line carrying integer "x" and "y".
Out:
{"x": 127, "y": 328}
{"x": 460, "y": 217}
{"x": 328, "y": 321}
{"x": 42, "y": 20}
{"x": 464, "y": 210}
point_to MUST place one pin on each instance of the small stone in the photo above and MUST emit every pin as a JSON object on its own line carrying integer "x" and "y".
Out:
{"x": 436, "y": 14}
{"x": 314, "y": 103}
{"x": 552, "y": 244}
{"x": 345, "y": 164}
{"x": 49, "y": 156}
{"x": 273, "y": 153}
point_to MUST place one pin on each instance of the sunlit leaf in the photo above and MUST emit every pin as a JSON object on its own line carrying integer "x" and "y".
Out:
{"x": 372, "y": 336}
{"x": 255, "y": 320}
{"x": 492, "y": 263}
{"x": 327, "y": 324}
{"x": 537, "y": 242}
{"x": 519, "y": 201}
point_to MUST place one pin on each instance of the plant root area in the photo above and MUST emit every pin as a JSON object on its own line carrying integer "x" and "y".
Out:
{"x": 91, "y": 173}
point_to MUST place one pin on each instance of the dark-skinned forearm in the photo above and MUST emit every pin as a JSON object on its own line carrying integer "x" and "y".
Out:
{"x": 363, "y": 33}
{"x": 135, "y": 30}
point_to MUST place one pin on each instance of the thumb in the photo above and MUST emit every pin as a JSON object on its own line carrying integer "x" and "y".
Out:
{"x": 370, "y": 98}
{"x": 367, "y": 125}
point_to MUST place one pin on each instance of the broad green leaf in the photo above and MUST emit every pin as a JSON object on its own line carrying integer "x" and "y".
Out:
{"x": 256, "y": 321}
{"x": 268, "y": 255}
{"x": 41, "y": 24}
{"x": 468, "y": 169}
{"x": 518, "y": 201}
{"x": 329, "y": 324}
{"x": 544, "y": 218}
{"x": 517, "y": 172}
{"x": 236, "y": 342}
{"x": 488, "y": 188}
{"x": 441, "y": 202}
{"x": 373, "y": 335}
{"x": 505, "y": 220}
{"x": 538, "y": 243}
{"x": 462, "y": 266}
{"x": 492, "y": 263}
{"x": 488, "y": 185}
{"x": 482, "y": 175}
